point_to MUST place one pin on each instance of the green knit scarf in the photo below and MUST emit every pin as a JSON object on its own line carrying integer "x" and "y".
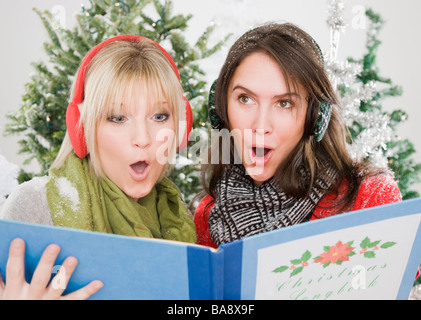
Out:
{"x": 79, "y": 200}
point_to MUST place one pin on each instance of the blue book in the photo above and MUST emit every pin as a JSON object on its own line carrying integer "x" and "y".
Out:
{"x": 367, "y": 254}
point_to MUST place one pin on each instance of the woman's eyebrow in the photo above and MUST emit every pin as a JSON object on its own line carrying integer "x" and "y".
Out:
{"x": 289, "y": 95}
{"x": 279, "y": 96}
{"x": 246, "y": 90}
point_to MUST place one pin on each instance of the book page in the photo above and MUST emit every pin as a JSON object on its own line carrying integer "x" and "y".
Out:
{"x": 363, "y": 262}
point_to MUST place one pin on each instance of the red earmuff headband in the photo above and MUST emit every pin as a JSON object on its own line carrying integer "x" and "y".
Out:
{"x": 76, "y": 131}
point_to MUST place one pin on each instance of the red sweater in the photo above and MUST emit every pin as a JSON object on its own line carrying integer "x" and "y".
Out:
{"x": 374, "y": 191}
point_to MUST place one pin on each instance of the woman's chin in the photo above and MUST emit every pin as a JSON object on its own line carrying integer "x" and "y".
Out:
{"x": 259, "y": 174}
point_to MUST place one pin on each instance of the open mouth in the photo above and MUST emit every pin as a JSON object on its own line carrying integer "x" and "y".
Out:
{"x": 139, "y": 167}
{"x": 260, "y": 152}
{"x": 260, "y": 155}
{"x": 140, "y": 170}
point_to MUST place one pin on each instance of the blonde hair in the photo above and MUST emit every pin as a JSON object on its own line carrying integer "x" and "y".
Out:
{"x": 112, "y": 83}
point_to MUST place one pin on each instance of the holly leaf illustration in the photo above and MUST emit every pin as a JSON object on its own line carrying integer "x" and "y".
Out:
{"x": 387, "y": 245}
{"x": 296, "y": 271}
{"x": 306, "y": 256}
{"x": 365, "y": 243}
{"x": 369, "y": 254}
{"x": 280, "y": 269}
{"x": 295, "y": 261}
{"x": 373, "y": 244}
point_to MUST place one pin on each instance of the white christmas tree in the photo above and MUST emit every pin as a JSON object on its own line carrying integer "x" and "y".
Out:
{"x": 371, "y": 141}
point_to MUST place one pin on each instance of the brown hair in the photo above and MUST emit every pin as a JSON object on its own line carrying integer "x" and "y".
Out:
{"x": 301, "y": 62}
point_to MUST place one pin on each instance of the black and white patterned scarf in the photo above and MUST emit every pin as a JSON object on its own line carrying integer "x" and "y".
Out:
{"x": 243, "y": 209}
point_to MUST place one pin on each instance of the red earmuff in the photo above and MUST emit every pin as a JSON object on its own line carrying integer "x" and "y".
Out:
{"x": 75, "y": 129}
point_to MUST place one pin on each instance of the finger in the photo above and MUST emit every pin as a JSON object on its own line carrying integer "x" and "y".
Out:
{"x": 42, "y": 274}
{"x": 85, "y": 292}
{"x": 15, "y": 267}
{"x": 61, "y": 279}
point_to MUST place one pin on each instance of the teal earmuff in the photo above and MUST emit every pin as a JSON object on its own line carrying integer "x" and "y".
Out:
{"x": 325, "y": 109}
{"x": 323, "y": 119}
{"x": 214, "y": 119}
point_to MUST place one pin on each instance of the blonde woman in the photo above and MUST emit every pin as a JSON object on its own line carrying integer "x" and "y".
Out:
{"x": 123, "y": 128}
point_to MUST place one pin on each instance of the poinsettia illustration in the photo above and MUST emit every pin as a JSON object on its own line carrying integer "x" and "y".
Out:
{"x": 335, "y": 254}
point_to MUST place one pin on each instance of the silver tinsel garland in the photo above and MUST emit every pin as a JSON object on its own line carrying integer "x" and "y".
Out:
{"x": 415, "y": 293}
{"x": 371, "y": 142}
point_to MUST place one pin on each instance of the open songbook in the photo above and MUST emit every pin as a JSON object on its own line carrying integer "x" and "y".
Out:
{"x": 367, "y": 254}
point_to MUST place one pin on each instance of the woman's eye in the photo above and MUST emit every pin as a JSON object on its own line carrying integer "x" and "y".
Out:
{"x": 245, "y": 99}
{"x": 117, "y": 119}
{"x": 284, "y": 104}
{"x": 161, "y": 117}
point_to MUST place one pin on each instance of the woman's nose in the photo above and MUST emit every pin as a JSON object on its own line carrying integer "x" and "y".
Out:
{"x": 141, "y": 136}
{"x": 263, "y": 123}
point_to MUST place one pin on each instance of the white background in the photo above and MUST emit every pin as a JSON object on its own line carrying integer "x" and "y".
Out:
{"x": 23, "y": 34}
